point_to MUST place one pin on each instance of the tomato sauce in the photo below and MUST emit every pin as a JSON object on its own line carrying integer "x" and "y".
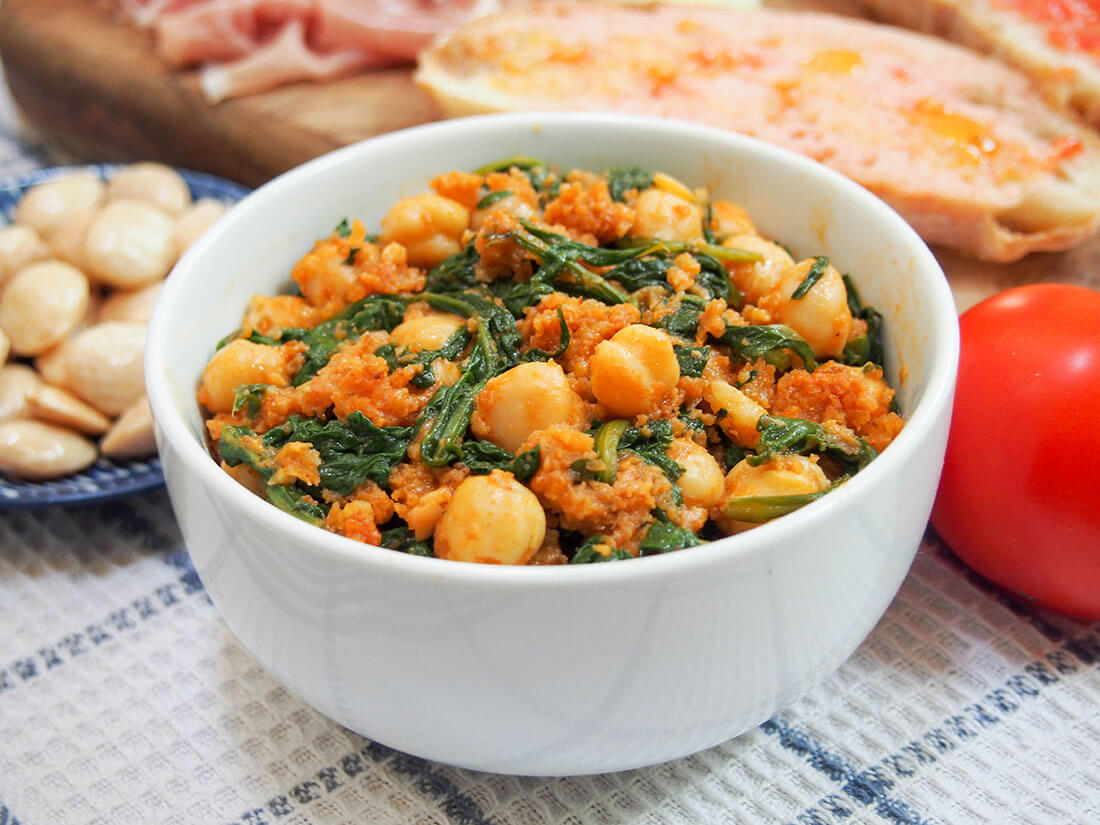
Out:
{"x": 1071, "y": 25}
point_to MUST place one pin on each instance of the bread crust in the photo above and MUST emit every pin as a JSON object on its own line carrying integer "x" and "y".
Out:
{"x": 961, "y": 145}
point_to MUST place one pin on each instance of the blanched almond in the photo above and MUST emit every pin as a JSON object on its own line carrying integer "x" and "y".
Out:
{"x": 49, "y": 205}
{"x": 52, "y": 365}
{"x": 17, "y": 382}
{"x": 131, "y": 436}
{"x": 155, "y": 183}
{"x": 130, "y": 244}
{"x": 104, "y": 365}
{"x": 131, "y": 305}
{"x": 67, "y": 242}
{"x": 196, "y": 220}
{"x": 19, "y": 246}
{"x": 57, "y": 406}
{"x": 34, "y": 450}
{"x": 42, "y": 304}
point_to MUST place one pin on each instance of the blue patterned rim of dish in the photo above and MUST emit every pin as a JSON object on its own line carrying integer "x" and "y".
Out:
{"x": 106, "y": 479}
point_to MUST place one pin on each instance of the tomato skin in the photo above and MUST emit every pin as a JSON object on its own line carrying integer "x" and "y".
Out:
{"x": 1019, "y": 498}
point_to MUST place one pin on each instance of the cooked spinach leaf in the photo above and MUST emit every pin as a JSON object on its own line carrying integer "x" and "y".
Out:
{"x": 249, "y": 396}
{"x": 624, "y": 178}
{"x": 403, "y": 539}
{"x": 456, "y": 272}
{"x": 683, "y": 322}
{"x": 692, "y": 360}
{"x": 493, "y": 197}
{"x": 371, "y": 313}
{"x": 770, "y": 342}
{"x": 482, "y": 457}
{"x": 817, "y": 269}
{"x": 663, "y": 536}
{"x": 352, "y": 451}
{"x": 588, "y": 554}
{"x": 607, "y": 449}
{"x": 537, "y": 171}
{"x": 785, "y": 436}
{"x": 450, "y": 351}
{"x": 759, "y": 509}
{"x": 868, "y": 348}
{"x": 240, "y": 445}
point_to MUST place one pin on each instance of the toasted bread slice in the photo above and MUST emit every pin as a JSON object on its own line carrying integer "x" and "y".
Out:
{"x": 1066, "y": 70}
{"x": 960, "y": 144}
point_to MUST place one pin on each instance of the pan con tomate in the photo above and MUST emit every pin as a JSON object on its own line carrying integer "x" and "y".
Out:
{"x": 525, "y": 367}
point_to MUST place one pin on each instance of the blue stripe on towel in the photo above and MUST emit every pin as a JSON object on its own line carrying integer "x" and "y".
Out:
{"x": 865, "y": 787}
{"x": 119, "y": 622}
{"x": 423, "y": 776}
{"x": 955, "y": 731}
{"x": 6, "y": 816}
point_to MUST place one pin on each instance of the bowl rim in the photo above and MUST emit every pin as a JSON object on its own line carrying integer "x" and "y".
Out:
{"x": 936, "y": 400}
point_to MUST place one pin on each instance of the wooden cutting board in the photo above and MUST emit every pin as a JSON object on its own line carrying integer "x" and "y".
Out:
{"x": 93, "y": 85}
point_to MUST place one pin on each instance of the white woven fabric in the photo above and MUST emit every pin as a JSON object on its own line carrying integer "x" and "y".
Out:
{"x": 125, "y": 700}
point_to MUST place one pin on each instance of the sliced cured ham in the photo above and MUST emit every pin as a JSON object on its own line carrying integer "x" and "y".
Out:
{"x": 246, "y": 46}
{"x": 217, "y": 30}
{"x": 960, "y": 144}
{"x": 146, "y": 12}
{"x": 286, "y": 59}
{"x": 395, "y": 27}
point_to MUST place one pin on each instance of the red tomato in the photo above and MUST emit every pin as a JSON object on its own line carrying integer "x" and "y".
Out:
{"x": 1019, "y": 500}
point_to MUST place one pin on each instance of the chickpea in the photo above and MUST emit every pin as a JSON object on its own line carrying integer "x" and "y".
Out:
{"x": 42, "y": 304}
{"x": 783, "y": 475}
{"x": 741, "y": 412}
{"x": 271, "y": 314}
{"x": 17, "y": 382}
{"x": 201, "y": 215}
{"x": 131, "y": 304}
{"x": 238, "y": 363}
{"x": 427, "y": 331}
{"x": 756, "y": 279}
{"x": 632, "y": 371}
{"x": 5, "y": 346}
{"x": 491, "y": 519}
{"x": 35, "y": 451}
{"x": 661, "y": 214}
{"x": 129, "y": 244}
{"x": 154, "y": 183}
{"x": 728, "y": 218}
{"x": 512, "y": 204}
{"x": 19, "y": 246}
{"x": 821, "y": 316}
{"x": 50, "y": 205}
{"x": 527, "y": 398}
{"x": 429, "y": 226}
{"x": 103, "y": 365}
{"x": 702, "y": 482}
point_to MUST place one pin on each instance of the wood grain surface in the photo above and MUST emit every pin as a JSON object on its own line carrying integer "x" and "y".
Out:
{"x": 93, "y": 87}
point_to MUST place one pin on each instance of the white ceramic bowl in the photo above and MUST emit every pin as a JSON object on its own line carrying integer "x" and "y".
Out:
{"x": 564, "y": 670}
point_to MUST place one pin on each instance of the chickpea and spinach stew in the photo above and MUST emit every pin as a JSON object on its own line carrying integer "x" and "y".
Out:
{"x": 526, "y": 367}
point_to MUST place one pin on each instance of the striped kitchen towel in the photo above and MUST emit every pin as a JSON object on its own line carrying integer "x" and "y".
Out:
{"x": 125, "y": 699}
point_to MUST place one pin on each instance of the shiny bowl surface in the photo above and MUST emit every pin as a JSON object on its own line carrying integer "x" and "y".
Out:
{"x": 557, "y": 670}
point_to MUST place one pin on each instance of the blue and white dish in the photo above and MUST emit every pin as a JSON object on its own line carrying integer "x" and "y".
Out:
{"x": 106, "y": 479}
